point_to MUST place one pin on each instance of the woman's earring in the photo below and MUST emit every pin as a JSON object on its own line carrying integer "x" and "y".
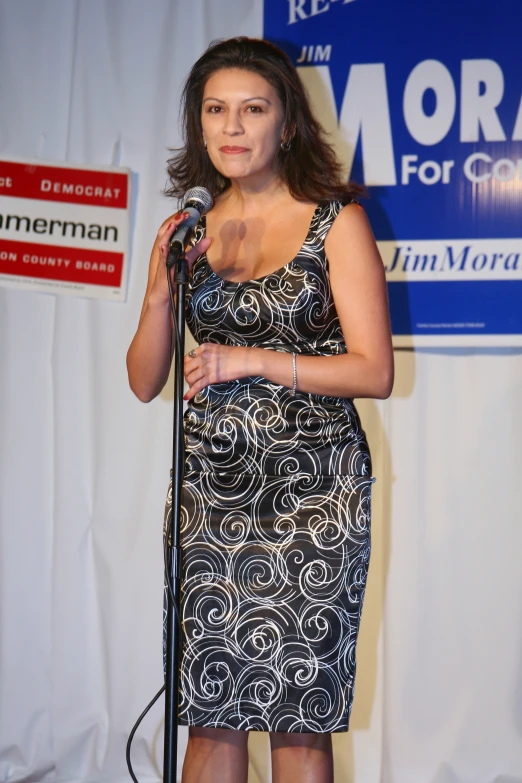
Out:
{"x": 285, "y": 145}
{"x": 205, "y": 142}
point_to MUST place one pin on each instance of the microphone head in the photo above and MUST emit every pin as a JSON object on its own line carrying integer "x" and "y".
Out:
{"x": 199, "y": 196}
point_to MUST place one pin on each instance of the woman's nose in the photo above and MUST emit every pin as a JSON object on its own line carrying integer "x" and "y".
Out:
{"x": 233, "y": 124}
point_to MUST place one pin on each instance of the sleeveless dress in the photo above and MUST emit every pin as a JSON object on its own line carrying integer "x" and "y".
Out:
{"x": 275, "y": 522}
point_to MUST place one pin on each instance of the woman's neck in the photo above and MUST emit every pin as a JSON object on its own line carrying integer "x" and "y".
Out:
{"x": 255, "y": 194}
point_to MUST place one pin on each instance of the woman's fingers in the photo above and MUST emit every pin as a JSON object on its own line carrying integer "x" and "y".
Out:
{"x": 193, "y": 368}
{"x": 172, "y": 222}
{"x": 167, "y": 229}
{"x": 193, "y": 374}
{"x": 191, "y": 361}
{"x": 197, "y": 387}
{"x": 197, "y": 372}
{"x": 199, "y": 248}
{"x": 206, "y": 366}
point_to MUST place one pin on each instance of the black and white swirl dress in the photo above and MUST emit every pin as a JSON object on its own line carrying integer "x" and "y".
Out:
{"x": 276, "y": 512}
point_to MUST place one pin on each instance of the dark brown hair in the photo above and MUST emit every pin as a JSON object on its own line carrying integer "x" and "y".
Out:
{"x": 309, "y": 167}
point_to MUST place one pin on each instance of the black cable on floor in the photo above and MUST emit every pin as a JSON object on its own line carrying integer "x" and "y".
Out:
{"x": 135, "y": 728}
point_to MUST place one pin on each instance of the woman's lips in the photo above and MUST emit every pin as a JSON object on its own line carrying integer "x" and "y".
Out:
{"x": 233, "y": 150}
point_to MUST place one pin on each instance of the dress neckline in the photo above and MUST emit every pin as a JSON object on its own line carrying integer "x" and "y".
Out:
{"x": 269, "y": 274}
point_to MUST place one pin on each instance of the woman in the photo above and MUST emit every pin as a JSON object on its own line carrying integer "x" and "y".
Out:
{"x": 288, "y": 304}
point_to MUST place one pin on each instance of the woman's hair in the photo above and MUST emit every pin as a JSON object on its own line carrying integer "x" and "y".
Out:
{"x": 309, "y": 167}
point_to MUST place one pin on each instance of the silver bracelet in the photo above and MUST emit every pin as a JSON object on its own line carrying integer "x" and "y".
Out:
{"x": 294, "y": 369}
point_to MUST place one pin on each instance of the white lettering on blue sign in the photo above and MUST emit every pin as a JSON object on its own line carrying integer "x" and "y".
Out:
{"x": 315, "y": 54}
{"x": 365, "y": 114}
{"x": 304, "y": 9}
{"x": 478, "y": 111}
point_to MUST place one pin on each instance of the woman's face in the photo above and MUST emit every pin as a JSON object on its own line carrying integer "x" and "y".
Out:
{"x": 242, "y": 119}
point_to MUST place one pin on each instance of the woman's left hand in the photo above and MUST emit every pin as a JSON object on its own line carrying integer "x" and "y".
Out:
{"x": 215, "y": 363}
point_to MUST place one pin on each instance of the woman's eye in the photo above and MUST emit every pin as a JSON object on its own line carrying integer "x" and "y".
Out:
{"x": 255, "y": 109}
{"x": 213, "y": 109}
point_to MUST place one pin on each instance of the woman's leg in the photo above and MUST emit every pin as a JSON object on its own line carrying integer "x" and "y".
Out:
{"x": 301, "y": 758}
{"x": 215, "y": 756}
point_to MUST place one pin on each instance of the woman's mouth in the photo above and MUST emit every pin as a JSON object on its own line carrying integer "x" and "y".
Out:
{"x": 233, "y": 150}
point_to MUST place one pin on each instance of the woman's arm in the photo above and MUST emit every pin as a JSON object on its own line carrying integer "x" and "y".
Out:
{"x": 359, "y": 290}
{"x": 150, "y": 352}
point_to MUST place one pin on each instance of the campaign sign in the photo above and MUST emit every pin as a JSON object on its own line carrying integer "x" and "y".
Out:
{"x": 423, "y": 102}
{"x": 64, "y": 229}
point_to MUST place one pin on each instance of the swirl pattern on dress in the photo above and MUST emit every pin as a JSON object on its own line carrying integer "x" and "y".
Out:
{"x": 275, "y": 526}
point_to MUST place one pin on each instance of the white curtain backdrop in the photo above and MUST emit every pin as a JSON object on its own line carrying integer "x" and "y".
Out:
{"x": 84, "y": 466}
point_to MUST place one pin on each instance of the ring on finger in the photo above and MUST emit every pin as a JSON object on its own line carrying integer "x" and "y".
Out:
{"x": 192, "y": 353}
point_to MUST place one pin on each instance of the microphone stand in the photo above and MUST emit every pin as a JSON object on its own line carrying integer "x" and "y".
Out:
{"x": 175, "y": 258}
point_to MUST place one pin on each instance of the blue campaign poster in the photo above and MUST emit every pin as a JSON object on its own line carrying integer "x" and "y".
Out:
{"x": 423, "y": 102}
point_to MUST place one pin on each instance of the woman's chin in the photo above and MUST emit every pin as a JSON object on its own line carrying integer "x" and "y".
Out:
{"x": 242, "y": 172}
{"x": 236, "y": 170}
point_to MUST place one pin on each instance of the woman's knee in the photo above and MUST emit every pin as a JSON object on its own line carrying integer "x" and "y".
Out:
{"x": 204, "y": 735}
{"x": 301, "y": 742}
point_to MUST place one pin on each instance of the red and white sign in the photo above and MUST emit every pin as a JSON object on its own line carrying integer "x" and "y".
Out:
{"x": 64, "y": 229}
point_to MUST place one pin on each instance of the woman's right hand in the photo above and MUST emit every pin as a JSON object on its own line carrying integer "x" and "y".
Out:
{"x": 159, "y": 288}
{"x": 149, "y": 355}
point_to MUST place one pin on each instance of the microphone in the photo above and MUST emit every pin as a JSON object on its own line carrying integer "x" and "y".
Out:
{"x": 197, "y": 202}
